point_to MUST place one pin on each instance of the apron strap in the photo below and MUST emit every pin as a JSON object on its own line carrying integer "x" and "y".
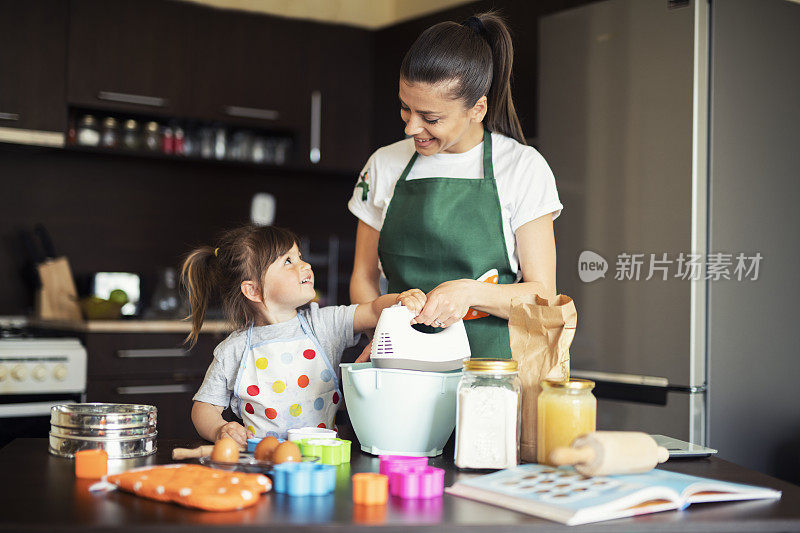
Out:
{"x": 304, "y": 325}
{"x": 406, "y": 170}
{"x": 488, "y": 169}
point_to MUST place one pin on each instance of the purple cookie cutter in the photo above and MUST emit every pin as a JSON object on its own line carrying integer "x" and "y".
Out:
{"x": 411, "y": 477}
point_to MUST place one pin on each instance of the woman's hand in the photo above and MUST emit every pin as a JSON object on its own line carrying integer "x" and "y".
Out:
{"x": 235, "y": 431}
{"x": 414, "y": 300}
{"x": 447, "y": 303}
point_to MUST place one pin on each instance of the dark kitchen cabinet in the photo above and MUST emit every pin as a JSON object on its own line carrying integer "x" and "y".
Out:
{"x": 129, "y": 55}
{"x": 33, "y": 64}
{"x": 250, "y": 69}
{"x": 172, "y": 398}
{"x": 149, "y": 368}
{"x": 341, "y": 70}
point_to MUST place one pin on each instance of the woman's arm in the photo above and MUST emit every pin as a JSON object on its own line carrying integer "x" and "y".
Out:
{"x": 536, "y": 249}
{"x": 364, "y": 283}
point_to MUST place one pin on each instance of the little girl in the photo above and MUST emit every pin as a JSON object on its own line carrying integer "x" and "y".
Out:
{"x": 277, "y": 370}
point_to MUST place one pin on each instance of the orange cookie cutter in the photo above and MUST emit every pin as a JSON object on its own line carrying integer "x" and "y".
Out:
{"x": 370, "y": 488}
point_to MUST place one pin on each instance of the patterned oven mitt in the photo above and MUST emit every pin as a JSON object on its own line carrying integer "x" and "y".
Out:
{"x": 195, "y": 486}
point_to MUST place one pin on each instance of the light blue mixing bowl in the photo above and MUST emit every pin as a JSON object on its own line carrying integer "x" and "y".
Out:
{"x": 400, "y": 412}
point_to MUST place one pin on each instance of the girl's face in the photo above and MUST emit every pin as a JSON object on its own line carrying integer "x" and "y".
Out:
{"x": 438, "y": 123}
{"x": 288, "y": 282}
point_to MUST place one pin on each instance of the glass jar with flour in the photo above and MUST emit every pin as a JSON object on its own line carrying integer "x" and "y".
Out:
{"x": 488, "y": 414}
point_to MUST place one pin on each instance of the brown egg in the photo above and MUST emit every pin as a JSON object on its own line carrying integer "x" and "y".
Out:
{"x": 286, "y": 451}
{"x": 265, "y": 449}
{"x": 225, "y": 451}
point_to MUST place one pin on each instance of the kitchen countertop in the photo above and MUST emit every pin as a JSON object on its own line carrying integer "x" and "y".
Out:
{"x": 40, "y": 493}
{"x": 131, "y": 326}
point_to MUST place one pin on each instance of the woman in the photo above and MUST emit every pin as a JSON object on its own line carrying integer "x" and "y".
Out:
{"x": 463, "y": 195}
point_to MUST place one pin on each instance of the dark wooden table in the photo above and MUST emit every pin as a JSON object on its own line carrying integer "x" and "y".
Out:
{"x": 39, "y": 492}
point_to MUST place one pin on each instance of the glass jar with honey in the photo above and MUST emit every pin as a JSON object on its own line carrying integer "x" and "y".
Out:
{"x": 565, "y": 410}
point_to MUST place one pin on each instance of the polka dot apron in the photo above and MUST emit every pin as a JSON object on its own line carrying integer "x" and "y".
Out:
{"x": 286, "y": 383}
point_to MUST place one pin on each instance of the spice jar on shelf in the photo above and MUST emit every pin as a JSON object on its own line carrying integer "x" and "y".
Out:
{"x": 488, "y": 414}
{"x": 152, "y": 138}
{"x": 109, "y": 137}
{"x": 88, "y": 133}
{"x": 167, "y": 140}
{"x": 130, "y": 137}
{"x": 566, "y": 410}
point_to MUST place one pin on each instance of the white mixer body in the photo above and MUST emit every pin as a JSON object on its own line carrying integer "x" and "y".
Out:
{"x": 398, "y": 345}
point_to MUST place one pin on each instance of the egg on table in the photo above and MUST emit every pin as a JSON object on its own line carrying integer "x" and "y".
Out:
{"x": 226, "y": 450}
{"x": 266, "y": 448}
{"x": 286, "y": 451}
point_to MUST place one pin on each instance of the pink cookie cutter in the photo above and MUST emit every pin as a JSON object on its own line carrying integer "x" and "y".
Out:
{"x": 411, "y": 477}
{"x": 427, "y": 482}
{"x": 391, "y": 463}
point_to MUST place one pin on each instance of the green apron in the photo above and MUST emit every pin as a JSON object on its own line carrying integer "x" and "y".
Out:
{"x": 441, "y": 229}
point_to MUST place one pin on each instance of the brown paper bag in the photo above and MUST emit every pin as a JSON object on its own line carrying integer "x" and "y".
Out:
{"x": 540, "y": 333}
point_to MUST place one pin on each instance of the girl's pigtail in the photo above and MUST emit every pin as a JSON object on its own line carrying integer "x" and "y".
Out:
{"x": 198, "y": 279}
{"x": 501, "y": 116}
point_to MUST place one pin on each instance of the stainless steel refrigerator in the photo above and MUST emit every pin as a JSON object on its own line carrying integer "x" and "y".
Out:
{"x": 625, "y": 102}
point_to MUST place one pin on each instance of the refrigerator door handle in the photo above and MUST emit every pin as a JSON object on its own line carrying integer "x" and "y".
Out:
{"x": 633, "y": 388}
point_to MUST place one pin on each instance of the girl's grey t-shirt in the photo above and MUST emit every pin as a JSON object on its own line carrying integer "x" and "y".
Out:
{"x": 332, "y": 325}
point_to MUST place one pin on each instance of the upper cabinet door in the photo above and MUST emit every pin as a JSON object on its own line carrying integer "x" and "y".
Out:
{"x": 250, "y": 69}
{"x": 128, "y": 55}
{"x": 32, "y": 64}
{"x": 341, "y": 76}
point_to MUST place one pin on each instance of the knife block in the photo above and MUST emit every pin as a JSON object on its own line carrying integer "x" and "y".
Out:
{"x": 57, "y": 298}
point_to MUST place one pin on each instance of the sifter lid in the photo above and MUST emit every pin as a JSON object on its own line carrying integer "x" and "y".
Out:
{"x": 103, "y": 416}
{"x": 490, "y": 365}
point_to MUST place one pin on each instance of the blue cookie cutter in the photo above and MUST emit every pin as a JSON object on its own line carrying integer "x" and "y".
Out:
{"x": 303, "y": 479}
{"x": 253, "y": 442}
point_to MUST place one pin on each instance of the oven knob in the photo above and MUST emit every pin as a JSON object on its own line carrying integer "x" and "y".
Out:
{"x": 19, "y": 372}
{"x": 60, "y": 372}
{"x": 39, "y": 372}
{"x": 3, "y": 372}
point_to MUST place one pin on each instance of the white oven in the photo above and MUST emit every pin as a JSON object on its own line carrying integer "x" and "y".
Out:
{"x": 36, "y": 374}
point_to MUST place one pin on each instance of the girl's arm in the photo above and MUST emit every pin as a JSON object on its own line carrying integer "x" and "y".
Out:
{"x": 208, "y": 422}
{"x": 536, "y": 248}
{"x": 367, "y": 315}
{"x": 364, "y": 281}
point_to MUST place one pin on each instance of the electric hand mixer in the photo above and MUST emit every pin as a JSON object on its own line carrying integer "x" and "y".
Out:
{"x": 398, "y": 345}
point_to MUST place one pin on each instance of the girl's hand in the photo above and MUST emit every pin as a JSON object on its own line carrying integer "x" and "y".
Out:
{"x": 235, "y": 431}
{"x": 447, "y": 303}
{"x": 414, "y": 300}
{"x": 364, "y": 357}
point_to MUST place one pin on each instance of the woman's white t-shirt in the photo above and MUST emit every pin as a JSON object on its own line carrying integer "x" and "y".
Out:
{"x": 525, "y": 184}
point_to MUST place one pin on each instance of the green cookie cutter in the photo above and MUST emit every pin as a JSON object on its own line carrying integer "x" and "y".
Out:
{"x": 329, "y": 451}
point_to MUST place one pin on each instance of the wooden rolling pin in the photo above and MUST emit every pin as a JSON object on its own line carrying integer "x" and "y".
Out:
{"x": 178, "y": 454}
{"x": 605, "y": 453}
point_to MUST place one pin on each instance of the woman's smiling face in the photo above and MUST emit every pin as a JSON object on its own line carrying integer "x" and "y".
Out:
{"x": 437, "y": 122}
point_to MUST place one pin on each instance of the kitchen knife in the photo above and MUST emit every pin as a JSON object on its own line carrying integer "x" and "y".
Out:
{"x": 34, "y": 253}
{"x": 47, "y": 242}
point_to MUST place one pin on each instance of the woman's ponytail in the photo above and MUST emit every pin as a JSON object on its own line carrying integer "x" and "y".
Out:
{"x": 198, "y": 280}
{"x": 479, "y": 54}
{"x": 501, "y": 115}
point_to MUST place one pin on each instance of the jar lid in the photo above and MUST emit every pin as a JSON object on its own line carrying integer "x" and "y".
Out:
{"x": 88, "y": 120}
{"x": 573, "y": 384}
{"x": 490, "y": 365}
{"x": 130, "y": 124}
{"x": 110, "y": 122}
{"x": 152, "y": 126}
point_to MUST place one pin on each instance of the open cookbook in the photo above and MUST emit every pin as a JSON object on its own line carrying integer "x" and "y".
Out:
{"x": 563, "y": 495}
